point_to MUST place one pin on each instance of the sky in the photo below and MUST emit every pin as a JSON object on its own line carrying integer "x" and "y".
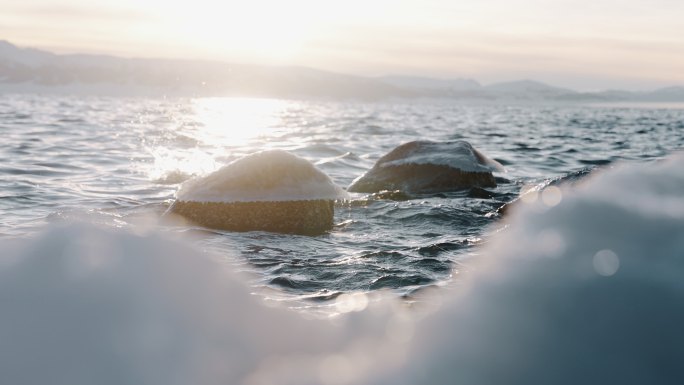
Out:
{"x": 584, "y": 45}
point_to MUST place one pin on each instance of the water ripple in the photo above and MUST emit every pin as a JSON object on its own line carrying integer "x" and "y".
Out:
{"x": 121, "y": 160}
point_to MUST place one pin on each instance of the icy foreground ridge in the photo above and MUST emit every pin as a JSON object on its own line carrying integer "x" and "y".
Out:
{"x": 84, "y": 305}
{"x": 271, "y": 176}
{"x": 588, "y": 289}
{"x": 425, "y": 166}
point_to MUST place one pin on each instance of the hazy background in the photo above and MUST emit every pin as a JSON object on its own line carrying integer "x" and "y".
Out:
{"x": 584, "y": 287}
{"x": 588, "y": 46}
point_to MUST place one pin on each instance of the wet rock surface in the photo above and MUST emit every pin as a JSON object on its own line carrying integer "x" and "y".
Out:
{"x": 428, "y": 167}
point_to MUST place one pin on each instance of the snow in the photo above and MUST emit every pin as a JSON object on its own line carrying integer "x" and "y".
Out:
{"x": 84, "y": 305}
{"x": 458, "y": 154}
{"x": 585, "y": 289}
{"x": 273, "y": 175}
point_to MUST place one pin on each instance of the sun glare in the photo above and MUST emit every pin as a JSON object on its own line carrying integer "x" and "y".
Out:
{"x": 235, "y": 121}
{"x": 266, "y": 30}
{"x": 218, "y": 126}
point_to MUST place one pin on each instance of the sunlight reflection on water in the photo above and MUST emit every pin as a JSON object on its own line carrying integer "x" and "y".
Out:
{"x": 116, "y": 160}
{"x": 212, "y": 127}
{"x": 234, "y": 121}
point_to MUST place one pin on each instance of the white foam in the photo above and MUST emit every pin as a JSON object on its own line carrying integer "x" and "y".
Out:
{"x": 460, "y": 155}
{"x": 273, "y": 175}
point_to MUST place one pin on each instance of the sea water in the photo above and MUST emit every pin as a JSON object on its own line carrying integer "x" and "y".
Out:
{"x": 575, "y": 284}
{"x": 120, "y": 162}
{"x": 117, "y": 160}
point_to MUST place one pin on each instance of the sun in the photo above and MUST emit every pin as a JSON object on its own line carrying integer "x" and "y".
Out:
{"x": 261, "y": 31}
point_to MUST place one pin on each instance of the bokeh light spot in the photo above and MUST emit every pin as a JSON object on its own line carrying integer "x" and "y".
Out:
{"x": 606, "y": 262}
{"x": 551, "y": 196}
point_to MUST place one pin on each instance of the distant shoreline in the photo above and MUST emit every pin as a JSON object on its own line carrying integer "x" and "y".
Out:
{"x": 29, "y": 70}
{"x": 119, "y": 91}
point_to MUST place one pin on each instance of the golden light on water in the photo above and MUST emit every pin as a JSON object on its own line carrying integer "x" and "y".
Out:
{"x": 216, "y": 126}
{"x": 236, "y": 121}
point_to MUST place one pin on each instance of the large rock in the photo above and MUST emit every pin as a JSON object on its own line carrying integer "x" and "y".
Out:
{"x": 427, "y": 167}
{"x": 267, "y": 191}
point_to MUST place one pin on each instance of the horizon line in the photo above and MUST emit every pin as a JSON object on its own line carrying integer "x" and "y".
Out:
{"x": 438, "y": 78}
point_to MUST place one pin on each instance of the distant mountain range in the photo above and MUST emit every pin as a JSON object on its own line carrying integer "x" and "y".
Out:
{"x": 524, "y": 90}
{"x": 31, "y": 70}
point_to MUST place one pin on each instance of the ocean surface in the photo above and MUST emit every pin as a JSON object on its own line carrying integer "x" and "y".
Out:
{"x": 118, "y": 162}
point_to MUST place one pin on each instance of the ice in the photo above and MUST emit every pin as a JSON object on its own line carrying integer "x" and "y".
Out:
{"x": 588, "y": 289}
{"x": 88, "y": 305}
{"x": 583, "y": 288}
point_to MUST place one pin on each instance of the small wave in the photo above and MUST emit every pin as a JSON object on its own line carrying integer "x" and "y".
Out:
{"x": 172, "y": 177}
{"x": 436, "y": 249}
{"x": 596, "y": 162}
{"x": 396, "y": 282}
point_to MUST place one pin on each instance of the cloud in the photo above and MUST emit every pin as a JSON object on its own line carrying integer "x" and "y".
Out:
{"x": 75, "y": 12}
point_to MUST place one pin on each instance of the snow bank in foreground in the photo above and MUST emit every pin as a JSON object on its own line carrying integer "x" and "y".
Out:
{"x": 84, "y": 305}
{"x": 584, "y": 288}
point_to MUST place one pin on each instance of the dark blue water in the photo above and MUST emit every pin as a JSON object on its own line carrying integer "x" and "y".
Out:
{"x": 119, "y": 162}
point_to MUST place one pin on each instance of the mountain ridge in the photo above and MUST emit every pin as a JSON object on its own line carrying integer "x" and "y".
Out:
{"x": 34, "y": 70}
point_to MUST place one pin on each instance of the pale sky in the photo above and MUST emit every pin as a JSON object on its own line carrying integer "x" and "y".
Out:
{"x": 585, "y": 45}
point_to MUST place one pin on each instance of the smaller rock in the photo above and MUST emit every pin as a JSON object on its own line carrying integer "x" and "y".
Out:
{"x": 429, "y": 167}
